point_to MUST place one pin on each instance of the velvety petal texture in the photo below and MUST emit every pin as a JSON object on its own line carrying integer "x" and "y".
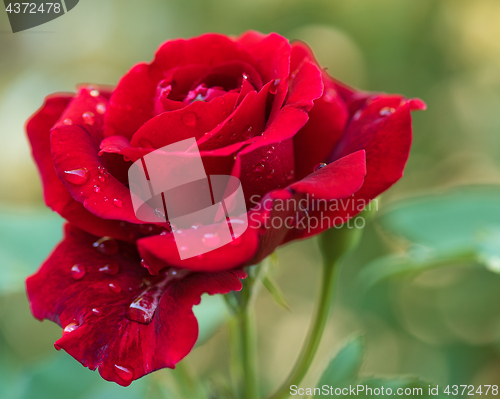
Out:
{"x": 261, "y": 110}
{"x": 115, "y": 316}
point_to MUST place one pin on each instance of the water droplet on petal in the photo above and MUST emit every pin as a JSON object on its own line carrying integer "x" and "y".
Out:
{"x": 259, "y": 168}
{"x": 101, "y": 108}
{"x": 330, "y": 95}
{"x": 143, "y": 307}
{"x": 110, "y": 269}
{"x": 144, "y": 264}
{"x": 189, "y": 119}
{"x": 274, "y": 87}
{"x": 270, "y": 175}
{"x": 159, "y": 213}
{"x": 115, "y": 287}
{"x": 101, "y": 178}
{"x": 70, "y": 328}
{"x": 78, "y": 271}
{"x": 97, "y": 189}
{"x": 125, "y": 373}
{"x": 248, "y": 132}
{"x": 106, "y": 246}
{"x": 88, "y": 118}
{"x": 245, "y": 76}
{"x": 386, "y": 111}
{"x": 77, "y": 176}
{"x": 68, "y": 122}
{"x": 96, "y": 311}
{"x": 211, "y": 239}
{"x": 118, "y": 203}
{"x": 93, "y": 90}
{"x": 319, "y": 166}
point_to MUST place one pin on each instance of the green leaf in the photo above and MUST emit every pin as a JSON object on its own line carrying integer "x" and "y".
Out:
{"x": 63, "y": 377}
{"x": 27, "y": 236}
{"x": 460, "y": 226}
{"x": 447, "y": 221}
{"x": 344, "y": 367}
{"x": 414, "y": 261}
{"x": 275, "y": 291}
{"x": 211, "y": 314}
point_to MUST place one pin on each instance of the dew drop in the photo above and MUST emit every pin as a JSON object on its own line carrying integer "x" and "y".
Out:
{"x": 78, "y": 271}
{"x": 274, "y": 87}
{"x": 68, "y": 122}
{"x": 270, "y": 175}
{"x": 77, "y": 176}
{"x": 110, "y": 269}
{"x": 96, "y": 311}
{"x": 97, "y": 189}
{"x": 118, "y": 203}
{"x": 70, "y": 328}
{"x": 330, "y": 95}
{"x": 386, "y": 111}
{"x": 319, "y": 166}
{"x": 159, "y": 213}
{"x": 100, "y": 108}
{"x": 143, "y": 307}
{"x": 125, "y": 373}
{"x": 211, "y": 239}
{"x": 101, "y": 178}
{"x": 88, "y": 118}
{"x": 106, "y": 246}
{"x": 145, "y": 228}
{"x": 245, "y": 76}
{"x": 189, "y": 119}
{"x": 144, "y": 264}
{"x": 115, "y": 287}
{"x": 259, "y": 168}
{"x": 93, "y": 91}
{"x": 248, "y": 132}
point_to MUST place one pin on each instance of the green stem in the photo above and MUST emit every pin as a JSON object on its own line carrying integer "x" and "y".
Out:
{"x": 248, "y": 352}
{"x": 315, "y": 333}
{"x": 187, "y": 382}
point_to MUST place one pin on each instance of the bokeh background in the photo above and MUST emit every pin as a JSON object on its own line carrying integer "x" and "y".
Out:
{"x": 423, "y": 287}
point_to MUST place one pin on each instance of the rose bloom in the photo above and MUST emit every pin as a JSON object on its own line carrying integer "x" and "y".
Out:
{"x": 262, "y": 110}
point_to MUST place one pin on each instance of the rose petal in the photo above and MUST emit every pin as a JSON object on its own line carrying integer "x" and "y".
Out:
{"x": 132, "y": 102}
{"x": 56, "y": 195}
{"x": 92, "y": 306}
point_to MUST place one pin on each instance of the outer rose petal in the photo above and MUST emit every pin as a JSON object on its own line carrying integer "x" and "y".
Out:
{"x": 97, "y": 331}
{"x": 56, "y": 195}
{"x": 383, "y": 129}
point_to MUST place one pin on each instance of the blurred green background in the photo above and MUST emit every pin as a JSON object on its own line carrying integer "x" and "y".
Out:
{"x": 423, "y": 287}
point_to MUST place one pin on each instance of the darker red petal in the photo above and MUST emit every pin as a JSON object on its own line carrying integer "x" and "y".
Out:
{"x": 89, "y": 294}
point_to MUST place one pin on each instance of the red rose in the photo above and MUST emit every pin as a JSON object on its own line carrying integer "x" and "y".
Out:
{"x": 261, "y": 110}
